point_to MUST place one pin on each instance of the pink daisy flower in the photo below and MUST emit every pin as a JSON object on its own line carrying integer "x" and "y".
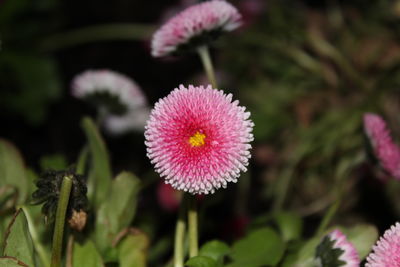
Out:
{"x": 387, "y": 152}
{"x": 199, "y": 139}
{"x": 168, "y": 197}
{"x": 114, "y": 91}
{"x": 195, "y": 26}
{"x": 387, "y": 250}
{"x": 120, "y": 99}
{"x": 134, "y": 120}
{"x": 336, "y": 250}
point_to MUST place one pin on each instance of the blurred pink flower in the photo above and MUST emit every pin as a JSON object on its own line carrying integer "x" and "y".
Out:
{"x": 387, "y": 250}
{"x": 349, "y": 255}
{"x": 199, "y": 139}
{"x": 387, "y": 152}
{"x": 119, "y": 97}
{"x": 195, "y": 25}
{"x": 117, "y": 85}
{"x": 168, "y": 197}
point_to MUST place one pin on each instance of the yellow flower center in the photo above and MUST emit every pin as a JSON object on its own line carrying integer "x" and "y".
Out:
{"x": 197, "y": 139}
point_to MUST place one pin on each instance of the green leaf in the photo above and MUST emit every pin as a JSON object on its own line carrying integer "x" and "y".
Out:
{"x": 215, "y": 250}
{"x": 362, "y": 236}
{"x": 55, "y": 162}
{"x": 305, "y": 256}
{"x": 132, "y": 250}
{"x": 117, "y": 212}
{"x": 12, "y": 169}
{"x": 18, "y": 242}
{"x": 86, "y": 255}
{"x": 121, "y": 201}
{"x": 11, "y": 262}
{"x": 100, "y": 175}
{"x": 290, "y": 225}
{"x": 261, "y": 247}
{"x": 201, "y": 261}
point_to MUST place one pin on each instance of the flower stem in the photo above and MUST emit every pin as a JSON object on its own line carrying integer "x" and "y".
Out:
{"x": 328, "y": 216}
{"x": 60, "y": 221}
{"x": 70, "y": 248}
{"x": 193, "y": 232}
{"x": 207, "y": 64}
{"x": 180, "y": 237}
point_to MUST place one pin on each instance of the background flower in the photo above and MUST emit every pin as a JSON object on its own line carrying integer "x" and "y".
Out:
{"x": 336, "y": 250}
{"x": 119, "y": 98}
{"x": 198, "y": 139}
{"x": 195, "y": 26}
{"x": 387, "y": 152}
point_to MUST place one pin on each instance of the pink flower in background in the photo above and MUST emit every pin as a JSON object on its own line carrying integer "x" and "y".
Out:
{"x": 195, "y": 25}
{"x": 199, "y": 139}
{"x": 134, "y": 120}
{"x": 168, "y": 197}
{"x": 387, "y": 152}
{"x": 349, "y": 255}
{"x": 117, "y": 85}
{"x": 387, "y": 250}
{"x": 121, "y": 100}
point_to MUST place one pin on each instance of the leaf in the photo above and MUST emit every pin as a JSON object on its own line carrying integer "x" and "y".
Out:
{"x": 363, "y": 237}
{"x": 11, "y": 262}
{"x": 132, "y": 250}
{"x": 18, "y": 242}
{"x": 55, "y": 162}
{"x": 121, "y": 201}
{"x": 86, "y": 255}
{"x": 215, "y": 250}
{"x": 12, "y": 169}
{"x": 100, "y": 175}
{"x": 117, "y": 212}
{"x": 201, "y": 261}
{"x": 261, "y": 247}
{"x": 305, "y": 256}
{"x": 290, "y": 225}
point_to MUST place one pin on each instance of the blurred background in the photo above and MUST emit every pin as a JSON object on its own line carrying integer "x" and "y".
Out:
{"x": 307, "y": 70}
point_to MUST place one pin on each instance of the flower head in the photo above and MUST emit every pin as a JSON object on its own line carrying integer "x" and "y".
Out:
{"x": 133, "y": 120}
{"x": 48, "y": 191}
{"x": 122, "y": 101}
{"x": 198, "y": 139}
{"x": 195, "y": 26}
{"x": 111, "y": 90}
{"x": 387, "y": 152}
{"x": 335, "y": 250}
{"x": 387, "y": 250}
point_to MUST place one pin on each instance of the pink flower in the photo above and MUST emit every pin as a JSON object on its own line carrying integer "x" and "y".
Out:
{"x": 168, "y": 197}
{"x": 195, "y": 25}
{"x": 387, "y": 249}
{"x": 134, "y": 120}
{"x": 198, "y": 139}
{"x": 387, "y": 152}
{"x": 336, "y": 240}
{"x": 106, "y": 82}
{"x": 119, "y": 97}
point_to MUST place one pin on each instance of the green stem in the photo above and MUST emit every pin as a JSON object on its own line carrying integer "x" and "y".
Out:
{"x": 60, "y": 221}
{"x": 35, "y": 238}
{"x": 193, "y": 231}
{"x": 207, "y": 64}
{"x": 180, "y": 237}
{"x": 328, "y": 216}
{"x": 82, "y": 160}
{"x": 116, "y": 31}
